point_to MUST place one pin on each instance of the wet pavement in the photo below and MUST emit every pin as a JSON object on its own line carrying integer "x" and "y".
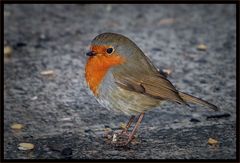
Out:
{"x": 61, "y": 117}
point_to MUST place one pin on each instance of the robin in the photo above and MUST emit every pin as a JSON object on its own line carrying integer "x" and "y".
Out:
{"x": 122, "y": 78}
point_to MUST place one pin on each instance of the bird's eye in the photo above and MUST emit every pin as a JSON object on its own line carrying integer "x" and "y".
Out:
{"x": 110, "y": 50}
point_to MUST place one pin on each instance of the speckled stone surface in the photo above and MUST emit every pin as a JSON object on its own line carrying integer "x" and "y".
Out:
{"x": 61, "y": 117}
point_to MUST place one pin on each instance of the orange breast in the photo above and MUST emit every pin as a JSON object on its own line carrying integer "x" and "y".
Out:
{"x": 97, "y": 67}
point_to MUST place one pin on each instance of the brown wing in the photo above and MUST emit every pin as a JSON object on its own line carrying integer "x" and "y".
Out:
{"x": 156, "y": 86}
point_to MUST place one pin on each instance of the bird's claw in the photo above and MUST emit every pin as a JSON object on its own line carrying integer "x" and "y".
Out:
{"x": 121, "y": 139}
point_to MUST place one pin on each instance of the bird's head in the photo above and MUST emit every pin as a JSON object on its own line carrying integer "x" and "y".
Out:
{"x": 110, "y": 50}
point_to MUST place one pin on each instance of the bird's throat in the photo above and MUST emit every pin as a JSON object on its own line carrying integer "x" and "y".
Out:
{"x": 96, "y": 69}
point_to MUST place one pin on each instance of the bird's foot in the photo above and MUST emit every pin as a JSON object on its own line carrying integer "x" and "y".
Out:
{"x": 121, "y": 138}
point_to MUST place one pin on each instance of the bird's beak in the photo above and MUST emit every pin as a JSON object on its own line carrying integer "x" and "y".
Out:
{"x": 91, "y": 53}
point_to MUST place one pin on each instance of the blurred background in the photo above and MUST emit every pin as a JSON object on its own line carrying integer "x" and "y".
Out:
{"x": 49, "y": 113}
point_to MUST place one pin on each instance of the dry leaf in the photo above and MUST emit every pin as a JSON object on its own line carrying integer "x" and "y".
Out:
{"x": 7, "y": 51}
{"x": 107, "y": 129}
{"x": 47, "y": 72}
{"x": 16, "y": 126}
{"x": 123, "y": 125}
{"x": 212, "y": 141}
{"x": 166, "y": 21}
{"x": 202, "y": 47}
{"x": 25, "y": 146}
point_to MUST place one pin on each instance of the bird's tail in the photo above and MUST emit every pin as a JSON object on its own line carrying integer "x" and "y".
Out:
{"x": 191, "y": 99}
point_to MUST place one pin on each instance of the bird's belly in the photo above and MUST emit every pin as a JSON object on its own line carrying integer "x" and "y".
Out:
{"x": 113, "y": 97}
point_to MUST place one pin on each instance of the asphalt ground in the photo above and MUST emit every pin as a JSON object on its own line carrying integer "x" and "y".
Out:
{"x": 62, "y": 119}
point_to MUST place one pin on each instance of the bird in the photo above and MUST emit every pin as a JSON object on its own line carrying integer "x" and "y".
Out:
{"x": 123, "y": 79}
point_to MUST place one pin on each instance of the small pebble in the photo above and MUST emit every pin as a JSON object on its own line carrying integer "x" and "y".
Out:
{"x": 114, "y": 139}
{"x": 66, "y": 119}
{"x": 42, "y": 36}
{"x": 194, "y": 120}
{"x": 34, "y": 98}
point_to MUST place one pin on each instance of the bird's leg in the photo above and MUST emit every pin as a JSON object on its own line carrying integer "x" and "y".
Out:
{"x": 124, "y": 132}
{"x": 128, "y": 124}
{"x": 131, "y": 136}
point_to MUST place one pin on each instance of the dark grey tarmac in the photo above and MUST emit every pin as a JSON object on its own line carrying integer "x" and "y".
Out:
{"x": 62, "y": 118}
